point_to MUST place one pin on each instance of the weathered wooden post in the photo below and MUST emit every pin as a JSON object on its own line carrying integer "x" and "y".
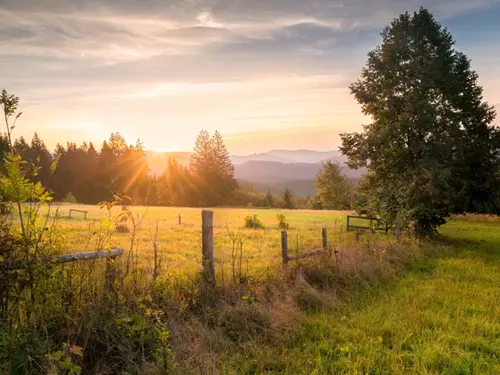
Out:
{"x": 110, "y": 272}
{"x": 70, "y": 211}
{"x": 207, "y": 223}
{"x": 85, "y": 215}
{"x": 325, "y": 239}
{"x": 357, "y": 235}
{"x": 348, "y": 223}
{"x": 284, "y": 249}
{"x": 180, "y": 219}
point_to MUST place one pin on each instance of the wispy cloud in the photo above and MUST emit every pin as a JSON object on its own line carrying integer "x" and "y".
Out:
{"x": 232, "y": 64}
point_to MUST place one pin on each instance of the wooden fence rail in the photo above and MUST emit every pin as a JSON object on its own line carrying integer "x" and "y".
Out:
{"x": 66, "y": 258}
{"x": 284, "y": 249}
{"x": 71, "y": 210}
{"x": 379, "y": 224}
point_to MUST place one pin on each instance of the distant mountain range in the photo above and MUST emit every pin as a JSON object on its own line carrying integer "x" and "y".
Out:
{"x": 271, "y": 171}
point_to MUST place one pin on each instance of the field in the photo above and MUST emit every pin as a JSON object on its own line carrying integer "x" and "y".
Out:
{"x": 180, "y": 245}
{"x": 441, "y": 317}
{"x": 407, "y": 307}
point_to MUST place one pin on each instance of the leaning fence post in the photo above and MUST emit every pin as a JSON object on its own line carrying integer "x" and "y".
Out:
{"x": 325, "y": 239}
{"x": 180, "y": 219}
{"x": 207, "y": 220}
{"x": 70, "y": 211}
{"x": 284, "y": 249}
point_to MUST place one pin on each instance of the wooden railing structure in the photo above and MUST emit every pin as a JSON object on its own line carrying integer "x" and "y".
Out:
{"x": 287, "y": 258}
{"x": 84, "y": 212}
{"x": 380, "y": 224}
{"x": 66, "y": 258}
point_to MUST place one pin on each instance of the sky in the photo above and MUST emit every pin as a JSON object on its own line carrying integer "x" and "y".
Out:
{"x": 267, "y": 74}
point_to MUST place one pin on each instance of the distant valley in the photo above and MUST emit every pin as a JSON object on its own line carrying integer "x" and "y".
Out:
{"x": 271, "y": 171}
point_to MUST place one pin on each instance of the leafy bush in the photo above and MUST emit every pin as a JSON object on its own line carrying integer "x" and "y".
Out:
{"x": 249, "y": 222}
{"x": 70, "y": 198}
{"x": 282, "y": 222}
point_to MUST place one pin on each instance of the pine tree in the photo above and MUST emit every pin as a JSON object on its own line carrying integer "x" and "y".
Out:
{"x": 288, "y": 199}
{"x": 224, "y": 169}
{"x": 212, "y": 170}
{"x": 431, "y": 149}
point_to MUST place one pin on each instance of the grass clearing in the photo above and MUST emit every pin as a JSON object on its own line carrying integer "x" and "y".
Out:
{"x": 441, "y": 317}
{"x": 180, "y": 245}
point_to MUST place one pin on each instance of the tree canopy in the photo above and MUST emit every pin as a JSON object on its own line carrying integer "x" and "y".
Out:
{"x": 431, "y": 149}
{"x": 333, "y": 189}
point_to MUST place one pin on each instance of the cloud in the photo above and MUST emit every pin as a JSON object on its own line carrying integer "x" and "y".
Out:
{"x": 265, "y": 56}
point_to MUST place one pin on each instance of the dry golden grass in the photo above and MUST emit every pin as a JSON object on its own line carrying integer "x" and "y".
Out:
{"x": 180, "y": 245}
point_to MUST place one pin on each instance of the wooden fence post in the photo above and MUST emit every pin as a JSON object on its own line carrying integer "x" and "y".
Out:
{"x": 357, "y": 235}
{"x": 70, "y": 211}
{"x": 325, "y": 239}
{"x": 85, "y": 215}
{"x": 284, "y": 249}
{"x": 254, "y": 221}
{"x": 180, "y": 219}
{"x": 348, "y": 223}
{"x": 207, "y": 220}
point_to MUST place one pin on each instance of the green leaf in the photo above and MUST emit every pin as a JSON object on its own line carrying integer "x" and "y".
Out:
{"x": 56, "y": 356}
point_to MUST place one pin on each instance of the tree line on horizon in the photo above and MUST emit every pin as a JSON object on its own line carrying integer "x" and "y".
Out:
{"x": 87, "y": 175}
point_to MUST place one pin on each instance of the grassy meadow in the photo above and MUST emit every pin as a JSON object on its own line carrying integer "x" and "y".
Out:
{"x": 180, "y": 245}
{"x": 441, "y": 317}
{"x": 382, "y": 307}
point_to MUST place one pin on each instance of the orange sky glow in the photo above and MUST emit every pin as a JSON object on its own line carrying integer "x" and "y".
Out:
{"x": 267, "y": 75}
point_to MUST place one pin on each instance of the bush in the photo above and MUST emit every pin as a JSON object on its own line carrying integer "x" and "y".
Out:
{"x": 122, "y": 228}
{"x": 282, "y": 222}
{"x": 249, "y": 222}
{"x": 70, "y": 198}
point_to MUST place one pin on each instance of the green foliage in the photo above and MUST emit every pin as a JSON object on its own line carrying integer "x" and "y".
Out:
{"x": 334, "y": 189}
{"x": 282, "y": 222}
{"x": 212, "y": 170}
{"x": 288, "y": 200}
{"x": 431, "y": 149}
{"x": 70, "y": 198}
{"x": 249, "y": 222}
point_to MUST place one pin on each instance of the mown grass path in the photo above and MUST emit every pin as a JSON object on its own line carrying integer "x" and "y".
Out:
{"x": 441, "y": 317}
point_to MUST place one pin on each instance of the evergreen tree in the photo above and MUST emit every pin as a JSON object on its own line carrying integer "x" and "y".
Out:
{"x": 224, "y": 169}
{"x": 212, "y": 170}
{"x": 270, "y": 201}
{"x": 288, "y": 199}
{"x": 431, "y": 149}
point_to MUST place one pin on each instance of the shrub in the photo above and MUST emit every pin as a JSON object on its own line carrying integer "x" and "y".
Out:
{"x": 311, "y": 300}
{"x": 249, "y": 222}
{"x": 70, "y": 198}
{"x": 282, "y": 222}
{"x": 122, "y": 228}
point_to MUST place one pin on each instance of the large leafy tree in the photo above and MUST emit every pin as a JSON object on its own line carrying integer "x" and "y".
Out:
{"x": 431, "y": 149}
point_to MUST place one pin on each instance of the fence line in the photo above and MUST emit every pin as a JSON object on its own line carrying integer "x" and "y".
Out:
{"x": 284, "y": 249}
{"x": 84, "y": 212}
{"x": 65, "y": 258}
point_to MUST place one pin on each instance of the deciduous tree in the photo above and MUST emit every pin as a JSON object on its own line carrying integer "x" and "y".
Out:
{"x": 431, "y": 149}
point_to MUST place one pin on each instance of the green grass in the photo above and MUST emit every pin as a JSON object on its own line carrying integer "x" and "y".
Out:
{"x": 180, "y": 245}
{"x": 441, "y": 317}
